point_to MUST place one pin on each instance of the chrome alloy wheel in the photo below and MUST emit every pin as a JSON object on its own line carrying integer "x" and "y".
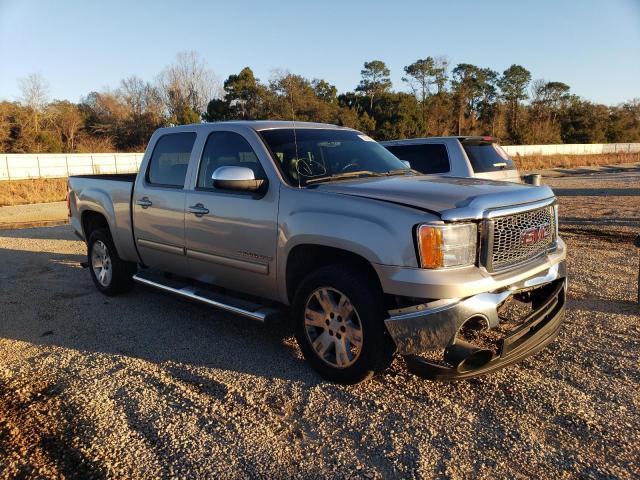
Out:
{"x": 101, "y": 263}
{"x": 333, "y": 327}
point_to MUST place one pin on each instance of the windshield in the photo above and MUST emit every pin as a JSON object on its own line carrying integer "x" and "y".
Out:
{"x": 311, "y": 155}
{"x": 487, "y": 157}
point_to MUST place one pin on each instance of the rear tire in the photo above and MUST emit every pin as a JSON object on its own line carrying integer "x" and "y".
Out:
{"x": 110, "y": 274}
{"x": 339, "y": 317}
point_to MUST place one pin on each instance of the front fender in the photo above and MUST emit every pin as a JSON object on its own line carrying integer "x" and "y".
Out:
{"x": 380, "y": 232}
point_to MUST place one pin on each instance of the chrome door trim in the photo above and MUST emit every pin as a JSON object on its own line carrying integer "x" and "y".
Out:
{"x": 163, "y": 247}
{"x": 229, "y": 262}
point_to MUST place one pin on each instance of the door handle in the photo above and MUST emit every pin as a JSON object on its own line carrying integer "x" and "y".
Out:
{"x": 198, "y": 210}
{"x": 144, "y": 202}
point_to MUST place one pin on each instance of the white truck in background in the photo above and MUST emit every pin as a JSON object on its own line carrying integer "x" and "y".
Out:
{"x": 460, "y": 156}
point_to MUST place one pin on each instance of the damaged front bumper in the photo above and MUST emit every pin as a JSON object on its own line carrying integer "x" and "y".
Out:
{"x": 435, "y": 326}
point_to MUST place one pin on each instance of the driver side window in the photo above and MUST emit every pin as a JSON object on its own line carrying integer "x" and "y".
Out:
{"x": 226, "y": 149}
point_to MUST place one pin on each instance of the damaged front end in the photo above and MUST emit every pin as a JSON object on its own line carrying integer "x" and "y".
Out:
{"x": 464, "y": 338}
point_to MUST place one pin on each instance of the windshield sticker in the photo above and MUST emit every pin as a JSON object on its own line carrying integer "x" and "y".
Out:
{"x": 366, "y": 138}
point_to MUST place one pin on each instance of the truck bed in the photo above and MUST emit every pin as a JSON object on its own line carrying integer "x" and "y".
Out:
{"x": 121, "y": 177}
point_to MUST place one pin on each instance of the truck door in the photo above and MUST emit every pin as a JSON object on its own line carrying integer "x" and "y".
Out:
{"x": 231, "y": 235}
{"x": 159, "y": 202}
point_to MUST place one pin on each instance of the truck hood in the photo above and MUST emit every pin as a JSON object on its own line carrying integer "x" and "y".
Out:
{"x": 452, "y": 198}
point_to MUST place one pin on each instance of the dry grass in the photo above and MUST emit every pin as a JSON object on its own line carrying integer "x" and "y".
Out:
{"x": 539, "y": 162}
{"x": 20, "y": 192}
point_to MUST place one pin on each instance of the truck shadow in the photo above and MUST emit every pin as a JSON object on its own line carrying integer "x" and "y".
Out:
{"x": 46, "y": 298}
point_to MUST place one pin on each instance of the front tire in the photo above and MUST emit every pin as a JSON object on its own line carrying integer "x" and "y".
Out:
{"x": 110, "y": 274}
{"x": 339, "y": 324}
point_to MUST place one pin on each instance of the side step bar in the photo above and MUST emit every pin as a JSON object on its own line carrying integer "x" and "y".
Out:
{"x": 251, "y": 310}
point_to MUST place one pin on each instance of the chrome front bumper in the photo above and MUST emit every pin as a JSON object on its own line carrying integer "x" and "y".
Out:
{"x": 434, "y": 325}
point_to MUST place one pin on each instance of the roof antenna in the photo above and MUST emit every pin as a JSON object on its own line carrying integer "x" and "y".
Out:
{"x": 295, "y": 137}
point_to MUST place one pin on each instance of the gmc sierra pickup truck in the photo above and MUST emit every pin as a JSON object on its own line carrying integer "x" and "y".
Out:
{"x": 370, "y": 258}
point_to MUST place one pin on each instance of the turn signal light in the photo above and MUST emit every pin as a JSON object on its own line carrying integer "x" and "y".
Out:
{"x": 443, "y": 246}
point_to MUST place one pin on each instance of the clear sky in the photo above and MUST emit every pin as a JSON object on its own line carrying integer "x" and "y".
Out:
{"x": 80, "y": 46}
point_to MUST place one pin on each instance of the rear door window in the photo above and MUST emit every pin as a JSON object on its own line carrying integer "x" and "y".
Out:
{"x": 487, "y": 157}
{"x": 426, "y": 158}
{"x": 170, "y": 159}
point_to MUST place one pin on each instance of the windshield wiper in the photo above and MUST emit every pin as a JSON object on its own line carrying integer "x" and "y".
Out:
{"x": 338, "y": 176}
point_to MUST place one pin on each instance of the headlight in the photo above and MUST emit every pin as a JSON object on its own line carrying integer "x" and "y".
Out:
{"x": 442, "y": 246}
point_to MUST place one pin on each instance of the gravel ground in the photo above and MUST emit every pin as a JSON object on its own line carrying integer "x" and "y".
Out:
{"x": 148, "y": 385}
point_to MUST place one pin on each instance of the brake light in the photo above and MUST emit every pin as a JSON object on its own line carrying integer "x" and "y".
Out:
{"x": 69, "y": 203}
{"x": 488, "y": 139}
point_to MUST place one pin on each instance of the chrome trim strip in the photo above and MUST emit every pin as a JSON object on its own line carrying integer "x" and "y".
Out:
{"x": 503, "y": 212}
{"x": 480, "y": 206}
{"x": 188, "y": 292}
{"x": 229, "y": 262}
{"x": 163, "y": 247}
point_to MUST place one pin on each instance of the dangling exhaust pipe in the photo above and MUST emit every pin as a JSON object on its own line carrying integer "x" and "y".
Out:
{"x": 465, "y": 356}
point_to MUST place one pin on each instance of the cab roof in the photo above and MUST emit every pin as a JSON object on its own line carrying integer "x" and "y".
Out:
{"x": 258, "y": 125}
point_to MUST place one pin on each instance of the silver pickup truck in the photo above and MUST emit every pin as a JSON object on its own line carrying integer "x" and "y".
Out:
{"x": 460, "y": 276}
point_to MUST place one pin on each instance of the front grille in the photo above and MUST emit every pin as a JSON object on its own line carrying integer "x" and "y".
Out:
{"x": 515, "y": 239}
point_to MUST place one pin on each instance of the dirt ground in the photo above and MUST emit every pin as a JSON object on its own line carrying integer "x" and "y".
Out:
{"x": 148, "y": 385}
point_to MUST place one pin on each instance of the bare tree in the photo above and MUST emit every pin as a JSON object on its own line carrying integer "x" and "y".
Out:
{"x": 35, "y": 94}
{"x": 188, "y": 82}
{"x": 140, "y": 96}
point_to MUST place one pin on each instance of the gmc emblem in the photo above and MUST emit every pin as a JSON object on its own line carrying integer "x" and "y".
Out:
{"x": 531, "y": 236}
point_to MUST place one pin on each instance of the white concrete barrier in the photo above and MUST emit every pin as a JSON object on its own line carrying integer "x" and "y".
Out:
{"x": 54, "y": 165}
{"x": 572, "y": 149}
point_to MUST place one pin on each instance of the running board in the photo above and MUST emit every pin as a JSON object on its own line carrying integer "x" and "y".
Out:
{"x": 251, "y": 310}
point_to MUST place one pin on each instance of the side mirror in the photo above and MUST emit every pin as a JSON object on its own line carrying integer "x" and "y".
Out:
{"x": 406, "y": 163}
{"x": 236, "y": 178}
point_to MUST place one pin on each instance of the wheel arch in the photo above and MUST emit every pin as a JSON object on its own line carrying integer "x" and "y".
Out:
{"x": 91, "y": 221}
{"x": 307, "y": 257}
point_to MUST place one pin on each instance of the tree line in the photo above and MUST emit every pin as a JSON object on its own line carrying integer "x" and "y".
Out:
{"x": 435, "y": 99}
